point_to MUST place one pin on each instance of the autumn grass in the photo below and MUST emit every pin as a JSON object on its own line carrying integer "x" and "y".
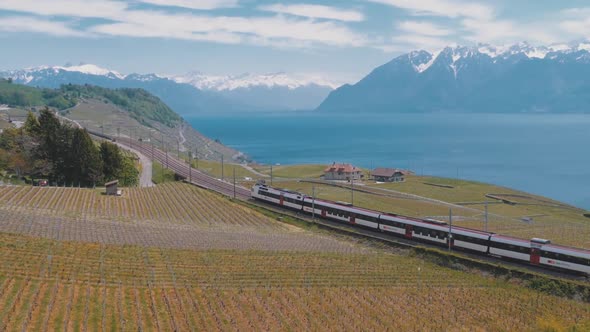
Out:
{"x": 99, "y": 287}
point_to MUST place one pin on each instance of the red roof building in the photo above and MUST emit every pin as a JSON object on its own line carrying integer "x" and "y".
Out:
{"x": 342, "y": 172}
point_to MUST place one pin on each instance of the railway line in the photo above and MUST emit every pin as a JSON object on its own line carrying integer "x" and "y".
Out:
{"x": 228, "y": 189}
{"x": 191, "y": 175}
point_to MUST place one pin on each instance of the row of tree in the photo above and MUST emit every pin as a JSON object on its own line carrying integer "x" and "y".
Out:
{"x": 46, "y": 148}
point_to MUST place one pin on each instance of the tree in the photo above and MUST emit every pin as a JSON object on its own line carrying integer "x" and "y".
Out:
{"x": 50, "y": 132}
{"x": 112, "y": 160}
{"x": 129, "y": 176}
{"x": 32, "y": 126}
{"x": 86, "y": 158}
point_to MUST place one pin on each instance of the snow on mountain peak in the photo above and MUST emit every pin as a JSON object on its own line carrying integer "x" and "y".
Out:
{"x": 233, "y": 82}
{"x": 456, "y": 53}
{"x": 91, "y": 70}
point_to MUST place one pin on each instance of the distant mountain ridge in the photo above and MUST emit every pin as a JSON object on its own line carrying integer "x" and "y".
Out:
{"x": 193, "y": 93}
{"x": 482, "y": 78}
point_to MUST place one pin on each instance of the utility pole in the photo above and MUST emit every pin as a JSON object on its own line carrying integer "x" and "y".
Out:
{"x": 166, "y": 155}
{"x": 234, "y": 182}
{"x": 178, "y": 148}
{"x": 352, "y": 189}
{"x": 313, "y": 202}
{"x": 152, "y": 141}
{"x": 271, "y": 175}
{"x": 221, "y": 167}
{"x": 486, "y": 217}
{"x": 197, "y": 156}
{"x": 190, "y": 175}
{"x": 450, "y": 239}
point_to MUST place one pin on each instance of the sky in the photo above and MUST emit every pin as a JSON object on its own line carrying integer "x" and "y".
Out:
{"x": 340, "y": 40}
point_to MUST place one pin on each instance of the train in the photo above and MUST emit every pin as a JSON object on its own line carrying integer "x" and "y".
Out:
{"x": 536, "y": 251}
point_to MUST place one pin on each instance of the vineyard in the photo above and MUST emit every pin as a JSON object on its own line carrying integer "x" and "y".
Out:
{"x": 55, "y": 285}
{"x": 175, "y": 257}
{"x": 170, "y": 215}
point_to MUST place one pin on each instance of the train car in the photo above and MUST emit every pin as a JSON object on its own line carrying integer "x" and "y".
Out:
{"x": 413, "y": 228}
{"x": 512, "y": 248}
{"x": 471, "y": 240}
{"x": 564, "y": 258}
{"x": 341, "y": 212}
{"x": 289, "y": 199}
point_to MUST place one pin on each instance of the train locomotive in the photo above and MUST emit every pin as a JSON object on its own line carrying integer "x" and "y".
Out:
{"x": 536, "y": 251}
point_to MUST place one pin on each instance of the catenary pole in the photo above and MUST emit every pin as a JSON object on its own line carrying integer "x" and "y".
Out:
{"x": 313, "y": 202}
{"x": 450, "y": 239}
{"x": 486, "y": 217}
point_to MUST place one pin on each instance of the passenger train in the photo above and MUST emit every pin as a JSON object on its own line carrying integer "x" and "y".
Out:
{"x": 540, "y": 252}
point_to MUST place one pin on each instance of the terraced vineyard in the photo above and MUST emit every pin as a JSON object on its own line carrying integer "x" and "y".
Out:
{"x": 171, "y": 215}
{"x": 52, "y": 285}
{"x": 176, "y": 257}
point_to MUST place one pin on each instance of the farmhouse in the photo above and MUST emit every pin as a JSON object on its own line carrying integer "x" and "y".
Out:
{"x": 342, "y": 172}
{"x": 389, "y": 175}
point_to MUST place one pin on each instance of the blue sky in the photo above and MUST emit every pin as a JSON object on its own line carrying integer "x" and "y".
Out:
{"x": 341, "y": 40}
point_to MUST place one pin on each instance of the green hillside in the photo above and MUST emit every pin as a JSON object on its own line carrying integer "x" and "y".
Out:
{"x": 139, "y": 103}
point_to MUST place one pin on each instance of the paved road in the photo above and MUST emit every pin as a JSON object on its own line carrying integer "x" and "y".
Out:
{"x": 145, "y": 178}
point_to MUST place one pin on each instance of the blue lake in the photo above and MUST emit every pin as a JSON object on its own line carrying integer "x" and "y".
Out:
{"x": 546, "y": 154}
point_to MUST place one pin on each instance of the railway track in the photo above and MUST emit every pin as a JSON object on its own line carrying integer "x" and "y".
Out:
{"x": 191, "y": 175}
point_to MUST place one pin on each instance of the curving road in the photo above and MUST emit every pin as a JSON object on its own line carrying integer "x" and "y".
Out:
{"x": 145, "y": 178}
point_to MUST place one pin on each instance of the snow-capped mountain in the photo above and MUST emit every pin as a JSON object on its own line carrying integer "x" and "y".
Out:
{"x": 484, "y": 78}
{"x": 195, "y": 92}
{"x": 244, "y": 81}
{"x": 274, "y": 91}
{"x": 182, "y": 98}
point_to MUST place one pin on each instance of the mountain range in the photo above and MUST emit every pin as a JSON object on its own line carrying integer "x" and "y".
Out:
{"x": 482, "y": 78}
{"x": 193, "y": 93}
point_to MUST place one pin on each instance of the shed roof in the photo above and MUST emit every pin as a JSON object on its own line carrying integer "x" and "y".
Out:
{"x": 111, "y": 183}
{"x": 387, "y": 172}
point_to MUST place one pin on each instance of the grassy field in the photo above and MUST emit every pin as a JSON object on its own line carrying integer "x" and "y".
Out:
{"x": 176, "y": 257}
{"x": 161, "y": 174}
{"x": 293, "y": 171}
{"x": 213, "y": 168}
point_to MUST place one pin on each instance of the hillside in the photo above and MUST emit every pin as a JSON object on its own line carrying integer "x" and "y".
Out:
{"x": 520, "y": 78}
{"x": 176, "y": 257}
{"x": 127, "y": 112}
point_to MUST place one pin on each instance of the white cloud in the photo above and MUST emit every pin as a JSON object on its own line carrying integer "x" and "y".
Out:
{"x": 194, "y": 4}
{"x": 316, "y": 11}
{"x": 72, "y": 8}
{"x": 226, "y": 29}
{"x": 423, "y": 28}
{"x": 446, "y": 8}
{"x": 279, "y": 30}
{"x": 29, "y": 24}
